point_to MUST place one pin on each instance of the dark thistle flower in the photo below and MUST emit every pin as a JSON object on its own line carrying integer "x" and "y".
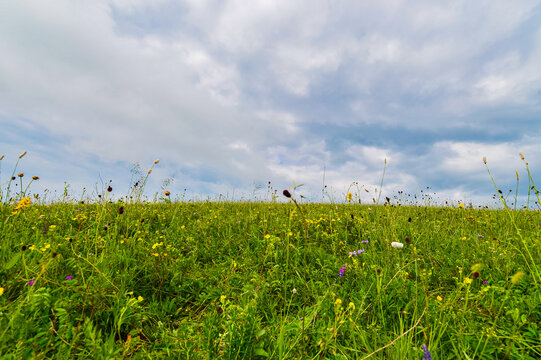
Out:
{"x": 407, "y": 240}
{"x": 475, "y": 275}
{"x": 23, "y": 248}
{"x": 109, "y": 188}
{"x": 20, "y": 174}
{"x": 35, "y": 177}
{"x": 167, "y": 193}
{"x": 426, "y": 353}
{"x": 352, "y": 216}
{"x": 13, "y": 178}
{"x": 287, "y": 194}
{"x": 378, "y": 271}
{"x": 121, "y": 210}
{"x": 54, "y": 254}
{"x": 409, "y": 219}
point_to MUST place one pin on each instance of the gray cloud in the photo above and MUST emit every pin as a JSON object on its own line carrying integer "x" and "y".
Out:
{"x": 232, "y": 93}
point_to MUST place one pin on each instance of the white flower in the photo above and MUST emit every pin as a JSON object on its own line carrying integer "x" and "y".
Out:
{"x": 294, "y": 291}
{"x": 397, "y": 245}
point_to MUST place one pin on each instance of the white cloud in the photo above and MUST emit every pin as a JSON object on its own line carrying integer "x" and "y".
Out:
{"x": 234, "y": 89}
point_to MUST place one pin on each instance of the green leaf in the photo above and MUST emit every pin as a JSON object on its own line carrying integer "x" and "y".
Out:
{"x": 13, "y": 261}
{"x": 261, "y": 352}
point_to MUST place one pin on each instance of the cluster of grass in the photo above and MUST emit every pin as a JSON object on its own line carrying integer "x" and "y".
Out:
{"x": 210, "y": 280}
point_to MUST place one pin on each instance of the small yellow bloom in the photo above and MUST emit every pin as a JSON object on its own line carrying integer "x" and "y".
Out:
{"x": 267, "y": 236}
{"x": 32, "y": 247}
{"x": 155, "y": 254}
{"x": 1, "y": 291}
{"x": 139, "y": 298}
{"x": 467, "y": 281}
{"x": 349, "y": 196}
{"x": 461, "y": 205}
{"x": 182, "y": 227}
{"x": 439, "y": 298}
{"x": 223, "y": 298}
{"x": 338, "y": 302}
{"x": 156, "y": 161}
{"x": 517, "y": 277}
{"x": 351, "y": 306}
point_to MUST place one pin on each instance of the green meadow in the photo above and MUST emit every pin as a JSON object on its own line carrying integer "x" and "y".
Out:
{"x": 102, "y": 279}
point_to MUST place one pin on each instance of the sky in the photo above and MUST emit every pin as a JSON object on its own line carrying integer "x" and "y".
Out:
{"x": 231, "y": 94}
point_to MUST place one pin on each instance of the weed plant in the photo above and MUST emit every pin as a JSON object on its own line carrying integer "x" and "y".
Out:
{"x": 229, "y": 280}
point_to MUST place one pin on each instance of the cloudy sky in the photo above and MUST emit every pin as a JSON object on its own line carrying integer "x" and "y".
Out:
{"x": 232, "y": 94}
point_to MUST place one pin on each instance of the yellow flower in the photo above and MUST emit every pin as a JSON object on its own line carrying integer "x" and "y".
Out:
{"x": 267, "y": 236}
{"x": 517, "y": 277}
{"x": 139, "y": 298}
{"x": 439, "y": 298}
{"x": 461, "y": 205}
{"x": 338, "y": 302}
{"x": 467, "y": 281}
{"x": 349, "y": 196}
{"x": 1, "y": 291}
{"x": 351, "y": 306}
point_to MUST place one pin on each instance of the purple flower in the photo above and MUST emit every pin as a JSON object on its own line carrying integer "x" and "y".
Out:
{"x": 485, "y": 282}
{"x": 342, "y": 269}
{"x": 360, "y": 251}
{"x": 426, "y": 355}
{"x": 30, "y": 283}
{"x": 365, "y": 241}
{"x": 481, "y": 236}
{"x": 69, "y": 277}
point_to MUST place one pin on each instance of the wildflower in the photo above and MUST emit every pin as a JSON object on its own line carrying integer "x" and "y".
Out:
{"x": 338, "y": 302}
{"x": 467, "y": 281}
{"x": 351, "y": 306}
{"x": 409, "y": 219}
{"x": 35, "y": 177}
{"x": 515, "y": 279}
{"x": 286, "y": 193}
{"x": 349, "y": 196}
{"x": 426, "y": 353}
{"x": 267, "y": 236}
{"x": 223, "y": 298}
{"x": 23, "y": 154}
{"x": 23, "y": 248}
{"x": 20, "y": 174}
{"x": 294, "y": 291}
{"x": 156, "y": 161}
{"x": 439, "y": 298}
{"x": 149, "y": 171}
{"x": 485, "y": 282}
{"x": 397, "y": 245}
{"x": 521, "y": 156}
{"x": 475, "y": 275}
{"x": 69, "y": 277}
{"x": 342, "y": 269}
{"x": 378, "y": 271}
{"x": 166, "y": 193}
{"x": 139, "y": 298}
{"x": 121, "y": 210}
{"x": 461, "y": 205}
{"x": 1, "y": 157}
{"x": 109, "y": 188}
{"x": 365, "y": 241}
{"x": 485, "y": 159}
{"x": 23, "y": 203}
{"x": 30, "y": 283}
{"x": 1, "y": 291}
{"x": 407, "y": 240}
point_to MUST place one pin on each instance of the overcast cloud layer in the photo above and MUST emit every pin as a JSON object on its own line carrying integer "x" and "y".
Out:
{"x": 233, "y": 94}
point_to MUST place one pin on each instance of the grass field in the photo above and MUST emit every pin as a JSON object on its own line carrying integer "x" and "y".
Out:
{"x": 230, "y": 280}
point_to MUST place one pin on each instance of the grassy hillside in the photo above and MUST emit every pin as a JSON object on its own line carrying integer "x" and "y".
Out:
{"x": 264, "y": 280}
